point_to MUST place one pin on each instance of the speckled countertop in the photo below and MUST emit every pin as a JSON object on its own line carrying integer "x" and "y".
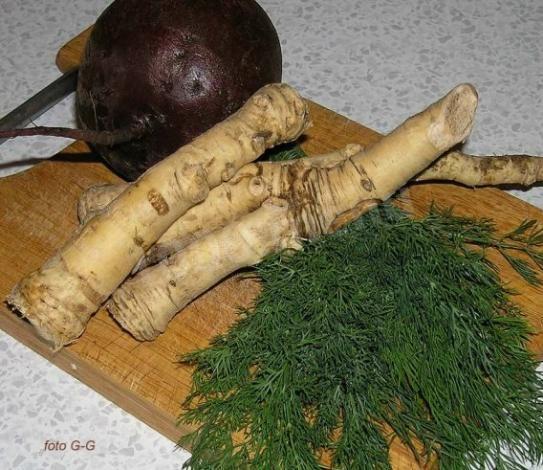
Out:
{"x": 375, "y": 61}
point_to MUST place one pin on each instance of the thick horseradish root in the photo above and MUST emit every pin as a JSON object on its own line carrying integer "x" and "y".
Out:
{"x": 59, "y": 298}
{"x": 454, "y": 166}
{"x": 205, "y": 262}
{"x": 321, "y": 198}
{"x": 241, "y": 195}
{"x": 245, "y": 192}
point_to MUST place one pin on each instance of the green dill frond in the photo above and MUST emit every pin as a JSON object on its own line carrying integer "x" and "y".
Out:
{"x": 390, "y": 321}
{"x": 284, "y": 153}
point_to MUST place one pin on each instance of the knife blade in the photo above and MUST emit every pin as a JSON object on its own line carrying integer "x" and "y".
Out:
{"x": 38, "y": 104}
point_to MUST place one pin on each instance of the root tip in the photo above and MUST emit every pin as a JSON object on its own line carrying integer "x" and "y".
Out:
{"x": 461, "y": 110}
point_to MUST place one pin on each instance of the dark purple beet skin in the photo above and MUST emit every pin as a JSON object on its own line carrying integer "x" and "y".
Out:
{"x": 179, "y": 66}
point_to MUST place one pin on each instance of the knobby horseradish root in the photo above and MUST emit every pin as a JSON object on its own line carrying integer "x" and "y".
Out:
{"x": 321, "y": 198}
{"x": 245, "y": 192}
{"x": 205, "y": 262}
{"x": 59, "y": 298}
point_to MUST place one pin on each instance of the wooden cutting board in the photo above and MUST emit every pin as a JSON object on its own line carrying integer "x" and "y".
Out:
{"x": 38, "y": 214}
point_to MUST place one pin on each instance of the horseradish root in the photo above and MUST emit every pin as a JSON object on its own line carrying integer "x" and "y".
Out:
{"x": 225, "y": 203}
{"x": 470, "y": 170}
{"x": 193, "y": 270}
{"x": 321, "y": 198}
{"x": 59, "y": 298}
{"x": 244, "y": 193}
{"x": 96, "y": 198}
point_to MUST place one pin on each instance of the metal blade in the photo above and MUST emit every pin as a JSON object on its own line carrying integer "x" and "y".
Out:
{"x": 40, "y": 102}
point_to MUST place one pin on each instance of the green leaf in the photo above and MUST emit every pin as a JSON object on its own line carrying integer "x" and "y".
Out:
{"x": 523, "y": 268}
{"x": 284, "y": 153}
{"x": 521, "y": 230}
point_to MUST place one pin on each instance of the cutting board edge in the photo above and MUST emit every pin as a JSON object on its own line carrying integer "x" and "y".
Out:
{"x": 65, "y": 58}
{"x": 103, "y": 384}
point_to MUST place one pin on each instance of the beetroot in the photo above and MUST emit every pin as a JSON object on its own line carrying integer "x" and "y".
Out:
{"x": 171, "y": 69}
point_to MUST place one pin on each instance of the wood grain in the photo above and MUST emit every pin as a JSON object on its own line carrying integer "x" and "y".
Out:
{"x": 69, "y": 56}
{"x": 38, "y": 215}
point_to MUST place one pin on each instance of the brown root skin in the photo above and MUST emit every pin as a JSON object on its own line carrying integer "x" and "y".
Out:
{"x": 60, "y": 297}
{"x": 107, "y": 138}
{"x": 320, "y": 197}
{"x": 473, "y": 171}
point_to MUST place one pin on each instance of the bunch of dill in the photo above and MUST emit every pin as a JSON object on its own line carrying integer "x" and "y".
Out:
{"x": 390, "y": 324}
